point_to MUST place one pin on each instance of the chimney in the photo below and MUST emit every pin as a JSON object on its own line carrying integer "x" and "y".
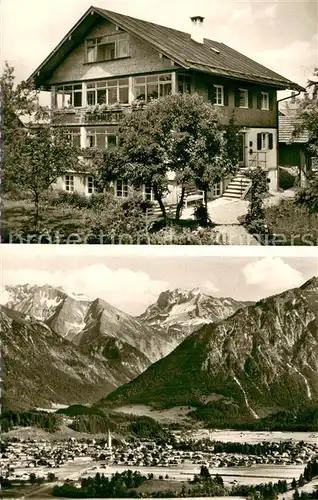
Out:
{"x": 197, "y": 28}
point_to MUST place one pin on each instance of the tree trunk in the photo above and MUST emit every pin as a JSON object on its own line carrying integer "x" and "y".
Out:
{"x": 158, "y": 197}
{"x": 180, "y": 203}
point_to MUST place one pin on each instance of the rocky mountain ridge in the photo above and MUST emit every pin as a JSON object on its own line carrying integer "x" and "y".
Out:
{"x": 262, "y": 359}
{"x": 119, "y": 345}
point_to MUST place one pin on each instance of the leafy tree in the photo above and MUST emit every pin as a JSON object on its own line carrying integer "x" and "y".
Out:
{"x": 40, "y": 159}
{"x": 179, "y": 133}
{"x": 17, "y": 100}
{"x": 307, "y": 117}
{"x": 204, "y": 472}
{"x": 36, "y": 155}
{"x": 32, "y": 478}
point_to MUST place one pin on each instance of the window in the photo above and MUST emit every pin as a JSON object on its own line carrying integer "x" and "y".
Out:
{"x": 152, "y": 86}
{"x": 74, "y": 137}
{"x": 264, "y": 141}
{"x": 90, "y": 185}
{"x": 68, "y": 95}
{"x": 108, "y": 92}
{"x": 216, "y": 189}
{"x": 184, "y": 84}
{"x": 69, "y": 183}
{"x": 264, "y": 100}
{"x": 147, "y": 193}
{"x": 218, "y": 95}
{"x": 101, "y": 137}
{"x": 243, "y": 94}
{"x": 121, "y": 189}
{"x": 107, "y": 48}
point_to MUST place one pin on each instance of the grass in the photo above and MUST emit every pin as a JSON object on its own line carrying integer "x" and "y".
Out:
{"x": 292, "y": 225}
{"x": 17, "y": 216}
{"x": 66, "y": 222}
{"x": 27, "y": 491}
{"x": 153, "y": 485}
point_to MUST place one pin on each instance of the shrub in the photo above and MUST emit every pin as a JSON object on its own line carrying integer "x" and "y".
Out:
{"x": 118, "y": 222}
{"x": 178, "y": 235}
{"x": 308, "y": 196}
{"x": 201, "y": 214}
{"x": 288, "y": 178}
{"x": 291, "y": 224}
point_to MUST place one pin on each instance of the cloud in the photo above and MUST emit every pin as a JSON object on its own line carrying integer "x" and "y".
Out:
{"x": 295, "y": 60}
{"x": 272, "y": 274}
{"x": 209, "y": 287}
{"x": 121, "y": 287}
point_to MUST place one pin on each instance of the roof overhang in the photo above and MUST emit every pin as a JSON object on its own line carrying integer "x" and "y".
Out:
{"x": 42, "y": 75}
{"x": 74, "y": 37}
{"x": 249, "y": 78}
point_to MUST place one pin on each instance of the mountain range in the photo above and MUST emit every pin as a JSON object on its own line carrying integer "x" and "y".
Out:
{"x": 259, "y": 360}
{"x": 65, "y": 348}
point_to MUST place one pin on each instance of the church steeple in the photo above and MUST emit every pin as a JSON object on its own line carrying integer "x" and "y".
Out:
{"x": 109, "y": 440}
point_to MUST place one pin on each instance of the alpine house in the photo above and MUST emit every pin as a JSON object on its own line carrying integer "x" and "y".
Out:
{"x": 112, "y": 60}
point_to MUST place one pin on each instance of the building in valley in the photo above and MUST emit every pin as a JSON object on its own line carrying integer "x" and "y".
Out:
{"x": 108, "y": 61}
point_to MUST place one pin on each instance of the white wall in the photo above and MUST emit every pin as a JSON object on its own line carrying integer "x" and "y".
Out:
{"x": 271, "y": 154}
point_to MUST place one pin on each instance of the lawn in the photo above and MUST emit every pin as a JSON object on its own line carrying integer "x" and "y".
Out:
{"x": 17, "y": 217}
{"x": 72, "y": 220}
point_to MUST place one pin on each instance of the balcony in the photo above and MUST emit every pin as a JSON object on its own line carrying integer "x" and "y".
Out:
{"x": 92, "y": 115}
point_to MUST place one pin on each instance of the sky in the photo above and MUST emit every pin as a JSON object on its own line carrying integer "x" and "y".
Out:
{"x": 131, "y": 278}
{"x": 281, "y": 34}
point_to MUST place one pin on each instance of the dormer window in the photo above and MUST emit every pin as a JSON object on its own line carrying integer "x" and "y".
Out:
{"x": 107, "y": 48}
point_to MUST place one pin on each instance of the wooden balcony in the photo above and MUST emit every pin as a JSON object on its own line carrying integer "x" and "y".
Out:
{"x": 87, "y": 116}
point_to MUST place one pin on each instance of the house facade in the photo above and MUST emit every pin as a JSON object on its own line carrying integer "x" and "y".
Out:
{"x": 109, "y": 62}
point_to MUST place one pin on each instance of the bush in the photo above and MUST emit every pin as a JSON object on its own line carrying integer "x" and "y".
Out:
{"x": 291, "y": 224}
{"x": 73, "y": 199}
{"x": 308, "y": 196}
{"x": 201, "y": 214}
{"x": 118, "y": 222}
{"x": 178, "y": 235}
{"x": 288, "y": 178}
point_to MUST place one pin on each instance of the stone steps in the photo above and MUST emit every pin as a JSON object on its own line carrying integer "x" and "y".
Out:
{"x": 237, "y": 187}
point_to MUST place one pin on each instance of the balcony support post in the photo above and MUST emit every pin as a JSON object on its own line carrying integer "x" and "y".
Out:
{"x": 83, "y": 138}
{"x": 173, "y": 83}
{"x": 130, "y": 90}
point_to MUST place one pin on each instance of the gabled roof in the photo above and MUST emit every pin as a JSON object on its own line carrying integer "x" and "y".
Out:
{"x": 286, "y": 126}
{"x": 211, "y": 57}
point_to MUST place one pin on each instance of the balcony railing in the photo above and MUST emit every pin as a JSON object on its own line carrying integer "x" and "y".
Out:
{"x": 104, "y": 117}
{"x": 83, "y": 116}
{"x": 258, "y": 159}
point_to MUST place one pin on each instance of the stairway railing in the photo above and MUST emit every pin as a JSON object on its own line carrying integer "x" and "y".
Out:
{"x": 258, "y": 160}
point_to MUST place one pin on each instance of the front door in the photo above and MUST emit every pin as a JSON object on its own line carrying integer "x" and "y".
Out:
{"x": 242, "y": 150}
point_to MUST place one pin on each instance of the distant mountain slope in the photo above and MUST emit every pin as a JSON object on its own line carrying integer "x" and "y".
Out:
{"x": 181, "y": 312}
{"x": 261, "y": 359}
{"x": 40, "y": 367}
{"x": 96, "y": 327}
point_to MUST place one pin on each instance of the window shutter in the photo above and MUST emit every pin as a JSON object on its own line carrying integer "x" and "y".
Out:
{"x": 259, "y": 142}
{"x": 270, "y": 141}
{"x": 259, "y": 100}
{"x": 226, "y": 96}
{"x": 212, "y": 94}
{"x": 237, "y": 98}
{"x": 250, "y": 98}
{"x": 271, "y": 100}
